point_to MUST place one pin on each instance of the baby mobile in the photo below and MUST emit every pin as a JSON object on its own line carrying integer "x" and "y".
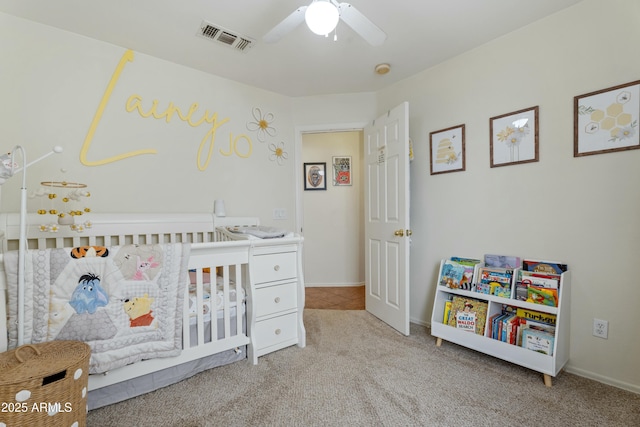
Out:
{"x": 64, "y": 204}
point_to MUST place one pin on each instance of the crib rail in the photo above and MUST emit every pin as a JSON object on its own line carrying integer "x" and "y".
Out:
{"x": 111, "y": 229}
{"x": 230, "y": 259}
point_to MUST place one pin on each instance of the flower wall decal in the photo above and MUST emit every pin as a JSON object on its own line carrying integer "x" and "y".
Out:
{"x": 262, "y": 124}
{"x": 277, "y": 153}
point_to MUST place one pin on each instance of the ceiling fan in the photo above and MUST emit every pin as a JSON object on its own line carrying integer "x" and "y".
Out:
{"x": 322, "y": 17}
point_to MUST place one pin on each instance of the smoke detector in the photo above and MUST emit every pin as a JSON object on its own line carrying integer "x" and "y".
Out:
{"x": 382, "y": 69}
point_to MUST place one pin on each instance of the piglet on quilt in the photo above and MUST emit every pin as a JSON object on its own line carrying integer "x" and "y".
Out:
{"x": 125, "y": 301}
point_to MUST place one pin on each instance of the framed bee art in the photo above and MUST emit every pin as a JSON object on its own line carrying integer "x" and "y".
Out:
{"x": 447, "y": 150}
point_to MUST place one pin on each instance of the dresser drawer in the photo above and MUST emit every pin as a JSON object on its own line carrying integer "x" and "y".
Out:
{"x": 276, "y": 330}
{"x": 272, "y": 299}
{"x": 272, "y": 267}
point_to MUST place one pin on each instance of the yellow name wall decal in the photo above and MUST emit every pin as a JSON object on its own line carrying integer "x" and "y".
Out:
{"x": 134, "y": 103}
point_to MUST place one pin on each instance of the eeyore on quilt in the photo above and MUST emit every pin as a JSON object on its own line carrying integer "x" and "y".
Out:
{"x": 126, "y": 302}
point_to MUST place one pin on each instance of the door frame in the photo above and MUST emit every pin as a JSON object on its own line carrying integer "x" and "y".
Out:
{"x": 299, "y": 131}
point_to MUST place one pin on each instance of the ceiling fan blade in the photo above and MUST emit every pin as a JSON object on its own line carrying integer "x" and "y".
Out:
{"x": 287, "y": 25}
{"x": 361, "y": 24}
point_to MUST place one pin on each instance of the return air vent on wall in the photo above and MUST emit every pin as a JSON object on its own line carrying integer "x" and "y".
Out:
{"x": 224, "y": 36}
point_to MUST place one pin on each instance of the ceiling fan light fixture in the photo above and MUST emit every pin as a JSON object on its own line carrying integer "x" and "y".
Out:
{"x": 321, "y": 17}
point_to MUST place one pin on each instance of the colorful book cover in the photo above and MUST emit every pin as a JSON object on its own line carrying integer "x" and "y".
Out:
{"x": 469, "y": 268}
{"x": 447, "y": 310}
{"x": 495, "y": 281}
{"x": 544, "y": 296}
{"x": 506, "y": 325}
{"x": 491, "y": 324}
{"x": 468, "y": 314}
{"x": 453, "y": 275}
{"x": 551, "y": 267}
{"x": 536, "y": 316}
{"x": 496, "y": 332}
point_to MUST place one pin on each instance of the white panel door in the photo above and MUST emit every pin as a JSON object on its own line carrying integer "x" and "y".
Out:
{"x": 387, "y": 227}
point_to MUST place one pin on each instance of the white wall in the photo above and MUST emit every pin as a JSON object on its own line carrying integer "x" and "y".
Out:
{"x": 584, "y": 211}
{"x": 52, "y": 85}
{"x": 333, "y": 218}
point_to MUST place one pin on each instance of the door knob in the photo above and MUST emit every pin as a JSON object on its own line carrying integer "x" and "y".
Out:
{"x": 409, "y": 233}
{"x": 399, "y": 233}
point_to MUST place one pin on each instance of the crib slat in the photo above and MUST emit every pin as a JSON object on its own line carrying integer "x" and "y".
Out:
{"x": 186, "y": 342}
{"x": 239, "y": 302}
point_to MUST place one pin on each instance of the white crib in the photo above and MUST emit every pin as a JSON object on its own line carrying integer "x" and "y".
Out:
{"x": 206, "y": 342}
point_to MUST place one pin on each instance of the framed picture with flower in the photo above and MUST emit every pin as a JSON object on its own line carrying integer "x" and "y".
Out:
{"x": 606, "y": 120}
{"x": 447, "y": 150}
{"x": 514, "y": 137}
{"x": 341, "y": 170}
{"x": 315, "y": 176}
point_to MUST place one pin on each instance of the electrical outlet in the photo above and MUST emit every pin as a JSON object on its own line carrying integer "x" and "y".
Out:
{"x": 600, "y": 328}
{"x": 279, "y": 213}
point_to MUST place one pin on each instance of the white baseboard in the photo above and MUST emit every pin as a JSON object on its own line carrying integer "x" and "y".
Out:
{"x": 602, "y": 379}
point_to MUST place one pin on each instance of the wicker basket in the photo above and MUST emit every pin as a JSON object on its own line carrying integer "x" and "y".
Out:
{"x": 45, "y": 384}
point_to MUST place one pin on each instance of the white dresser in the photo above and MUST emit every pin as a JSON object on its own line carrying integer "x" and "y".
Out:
{"x": 275, "y": 296}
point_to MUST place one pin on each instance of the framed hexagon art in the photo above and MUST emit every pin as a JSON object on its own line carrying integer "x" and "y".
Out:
{"x": 606, "y": 121}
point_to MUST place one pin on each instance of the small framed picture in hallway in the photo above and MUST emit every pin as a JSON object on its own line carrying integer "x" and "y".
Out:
{"x": 341, "y": 170}
{"x": 315, "y": 176}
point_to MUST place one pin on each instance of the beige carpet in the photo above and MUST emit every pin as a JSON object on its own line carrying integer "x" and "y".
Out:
{"x": 356, "y": 371}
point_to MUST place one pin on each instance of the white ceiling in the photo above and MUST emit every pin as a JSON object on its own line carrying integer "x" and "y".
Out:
{"x": 420, "y": 34}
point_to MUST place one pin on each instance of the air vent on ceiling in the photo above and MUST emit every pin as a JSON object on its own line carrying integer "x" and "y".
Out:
{"x": 224, "y": 36}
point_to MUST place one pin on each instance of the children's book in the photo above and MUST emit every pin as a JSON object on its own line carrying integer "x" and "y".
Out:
{"x": 502, "y": 261}
{"x": 469, "y": 268}
{"x": 468, "y": 314}
{"x": 536, "y": 316}
{"x": 544, "y": 296}
{"x": 524, "y": 324}
{"x": 544, "y": 266}
{"x": 495, "y": 281}
{"x": 540, "y": 279}
{"x": 537, "y": 340}
{"x": 447, "y": 311}
{"x": 453, "y": 275}
{"x": 491, "y": 324}
{"x": 496, "y": 332}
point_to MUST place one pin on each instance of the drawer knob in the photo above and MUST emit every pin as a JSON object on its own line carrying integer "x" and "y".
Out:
{"x": 278, "y": 331}
{"x": 276, "y": 267}
{"x": 277, "y": 300}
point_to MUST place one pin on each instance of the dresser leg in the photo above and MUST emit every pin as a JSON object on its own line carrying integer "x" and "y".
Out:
{"x": 438, "y": 342}
{"x": 547, "y": 380}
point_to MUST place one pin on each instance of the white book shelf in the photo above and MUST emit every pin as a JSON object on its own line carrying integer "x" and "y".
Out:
{"x": 549, "y": 366}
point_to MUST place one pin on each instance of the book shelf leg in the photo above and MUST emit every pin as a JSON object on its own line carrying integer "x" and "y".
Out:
{"x": 547, "y": 380}
{"x": 438, "y": 342}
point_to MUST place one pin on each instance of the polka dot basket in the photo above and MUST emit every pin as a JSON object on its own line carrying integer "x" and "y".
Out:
{"x": 44, "y": 384}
